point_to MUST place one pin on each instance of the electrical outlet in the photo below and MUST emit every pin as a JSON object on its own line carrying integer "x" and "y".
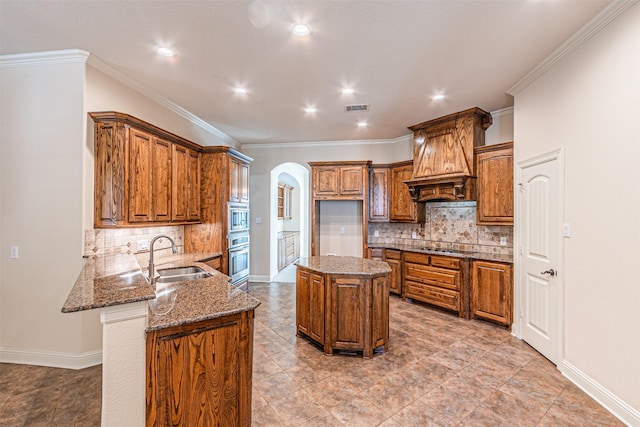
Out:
{"x": 414, "y": 235}
{"x": 503, "y": 241}
{"x": 143, "y": 245}
{"x": 14, "y": 252}
{"x": 376, "y": 233}
{"x": 341, "y": 230}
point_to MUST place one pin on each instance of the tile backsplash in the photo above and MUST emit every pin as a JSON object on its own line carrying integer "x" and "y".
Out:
{"x": 115, "y": 245}
{"x": 448, "y": 225}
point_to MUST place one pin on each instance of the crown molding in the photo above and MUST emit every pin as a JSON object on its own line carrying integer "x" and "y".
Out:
{"x": 341, "y": 143}
{"x": 502, "y": 112}
{"x": 44, "y": 58}
{"x": 584, "y": 34}
{"x": 100, "y": 65}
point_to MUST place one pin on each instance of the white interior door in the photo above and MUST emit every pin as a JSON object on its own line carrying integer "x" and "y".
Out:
{"x": 541, "y": 243}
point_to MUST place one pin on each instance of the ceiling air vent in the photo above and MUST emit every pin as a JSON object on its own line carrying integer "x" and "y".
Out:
{"x": 356, "y": 107}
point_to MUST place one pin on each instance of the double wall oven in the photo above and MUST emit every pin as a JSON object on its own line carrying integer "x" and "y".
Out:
{"x": 238, "y": 243}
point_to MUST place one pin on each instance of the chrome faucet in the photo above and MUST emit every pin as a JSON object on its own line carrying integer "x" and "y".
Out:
{"x": 174, "y": 248}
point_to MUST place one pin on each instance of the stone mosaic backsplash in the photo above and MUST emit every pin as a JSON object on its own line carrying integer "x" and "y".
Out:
{"x": 448, "y": 225}
{"x": 114, "y": 246}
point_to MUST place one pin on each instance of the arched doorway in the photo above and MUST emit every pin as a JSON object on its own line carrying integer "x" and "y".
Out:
{"x": 300, "y": 175}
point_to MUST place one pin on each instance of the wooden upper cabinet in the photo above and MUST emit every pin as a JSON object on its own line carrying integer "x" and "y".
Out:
{"x": 239, "y": 181}
{"x": 140, "y": 176}
{"x": 495, "y": 184}
{"x": 143, "y": 175}
{"x": 401, "y": 208}
{"x": 162, "y": 191}
{"x": 379, "y": 193}
{"x": 186, "y": 184}
{"x": 340, "y": 180}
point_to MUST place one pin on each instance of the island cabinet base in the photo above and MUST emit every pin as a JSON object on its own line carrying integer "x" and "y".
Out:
{"x": 200, "y": 374}
{"x": 343, "y": 311}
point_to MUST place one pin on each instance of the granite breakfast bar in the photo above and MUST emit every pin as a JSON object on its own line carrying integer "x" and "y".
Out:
{"x": 342, "y": 303}
{"x": 153, "y": 334}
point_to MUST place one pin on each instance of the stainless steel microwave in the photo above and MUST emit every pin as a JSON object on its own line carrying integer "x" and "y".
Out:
{"x": 238, "y": 217}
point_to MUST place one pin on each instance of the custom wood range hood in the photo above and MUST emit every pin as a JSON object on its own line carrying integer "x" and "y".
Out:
{"x": 443, "y": 161}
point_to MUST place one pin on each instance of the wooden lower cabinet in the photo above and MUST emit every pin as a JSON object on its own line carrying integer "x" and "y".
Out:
{"x": 343, "y": 312}
{"x": 491, "y": 290}
{"x": 201, "y": 374}
{"x": 435, "y": 279}
{"x": 394, "y": 259}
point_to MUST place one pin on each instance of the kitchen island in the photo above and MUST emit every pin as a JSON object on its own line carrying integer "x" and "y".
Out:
{"x": 342, "y": 303}
{"x": 159, "y": 341}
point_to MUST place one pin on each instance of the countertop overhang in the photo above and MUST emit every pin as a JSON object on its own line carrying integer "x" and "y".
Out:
{"x": 344, "y": 265}
{"x": 100, "y": 285}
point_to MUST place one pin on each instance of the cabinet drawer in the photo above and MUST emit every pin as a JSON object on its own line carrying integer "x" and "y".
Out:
{"x": 446, "y": 262}
{"x": 392, "y": 254}
{"x": 432, "y": 275}
{"x": 416, "y": 258}
{"x": 376, "y": 253}
{"x": 432, "y": 295}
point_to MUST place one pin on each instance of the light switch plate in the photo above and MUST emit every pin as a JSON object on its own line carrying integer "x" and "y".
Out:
{"x": 376, "y": 233}
{"x": 14, "y": 252}
{"x": 503, "y": 241}
{"x": 143, "y": 245}
{"x": 258, "y": 220}
{"x": 566, "y": 229}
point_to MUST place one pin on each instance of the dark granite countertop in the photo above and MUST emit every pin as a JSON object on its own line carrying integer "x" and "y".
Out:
{"x": 484, "y": 256}
{"x": 99, "y": 285}
{"x": 344, "y": 265}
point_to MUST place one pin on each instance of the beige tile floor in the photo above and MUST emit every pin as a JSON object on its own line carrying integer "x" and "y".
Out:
{"x": 439, "y": 371}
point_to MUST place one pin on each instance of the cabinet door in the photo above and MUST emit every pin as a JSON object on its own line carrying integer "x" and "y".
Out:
{"x": 303, "y": 301}
{"x": 401, "y": 207}
{"x": 244, "y": 183}
{"x": 161, "y": 180}
{"x": 380, "y": 312}
{"x": 193, "y": 185}
{"x": 379, "y": 194}
{"x": 317, "y": 315}
{"x": 110, "y": 175}
{"x": 282, "y": 253}
{"x": 347, "y": 312}
{"x": 351, "y": 181}
{"x": 395, "y": 277}
{"x": 325, "y": 181}
{"x": 202, "y": 366}
{"x": 180, "y": 182}
{"x": 234, "y": 180}
{"x": 495, "y": 185}
{"x": 491, "y": 291}
{"x": 140, "y": 176}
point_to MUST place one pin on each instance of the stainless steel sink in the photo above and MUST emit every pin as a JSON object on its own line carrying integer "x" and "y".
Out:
{"x": 178, "y": 271}
{"x": 180, "y": 274}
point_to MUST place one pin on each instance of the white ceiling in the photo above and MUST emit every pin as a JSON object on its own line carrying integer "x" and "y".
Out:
{"x": 395, "y": 55}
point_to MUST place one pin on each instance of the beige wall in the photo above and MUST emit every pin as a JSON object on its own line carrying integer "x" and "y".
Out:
{"x": 589, "y": 104}
{"x": 340, "y": 228}
{"x": 42, "y": 137}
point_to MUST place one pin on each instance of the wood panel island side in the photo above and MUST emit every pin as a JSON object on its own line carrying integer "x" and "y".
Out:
{"x": 342, "y": 303}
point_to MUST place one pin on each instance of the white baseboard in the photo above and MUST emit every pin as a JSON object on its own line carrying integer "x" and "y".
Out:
{"x": 259, "y": 278}
{"x": 619, "y": 408}
{"x": 54, "y": 360}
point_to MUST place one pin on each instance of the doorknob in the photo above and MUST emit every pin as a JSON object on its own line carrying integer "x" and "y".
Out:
{"x": 550, "y": 271}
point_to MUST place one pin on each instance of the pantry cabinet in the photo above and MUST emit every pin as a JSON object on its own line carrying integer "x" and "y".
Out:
{"x": 491, "y": 291}
{"x": 239, "y": 179}
{"x": 494, "y": 165}
{"x": 139, "y": 176}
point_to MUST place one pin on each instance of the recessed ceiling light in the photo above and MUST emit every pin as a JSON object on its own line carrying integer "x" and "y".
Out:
{"x": 165, "y": 51}
{"x": 301, "y": 30}
{"x": 347, "y": 91}
{"x": 438, "y": 97}
{"x": 362, "y": 124}
{"x": 240, "y": 91}
{"x": 310, "y": 110}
